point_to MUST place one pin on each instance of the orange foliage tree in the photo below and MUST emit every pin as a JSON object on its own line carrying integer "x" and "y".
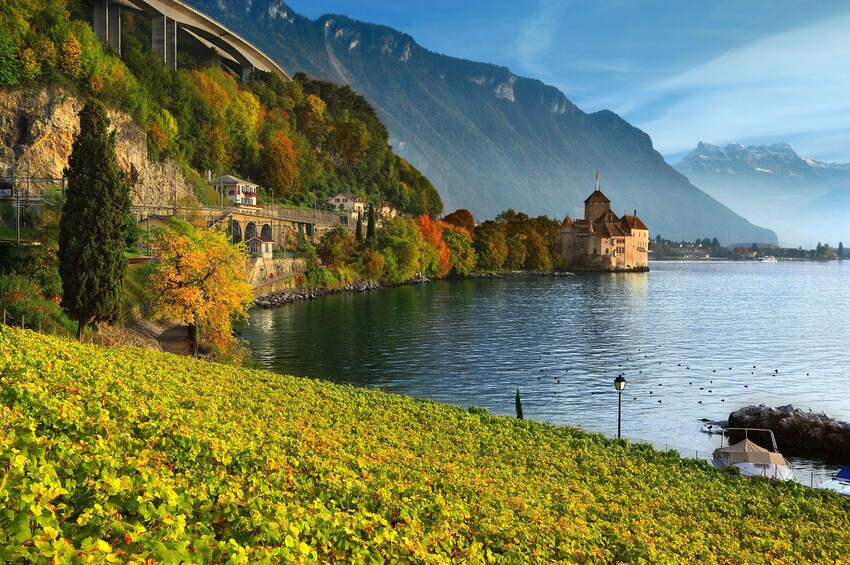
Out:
{"x": 434, "y": 258}
{"x": 461, "y": 218}
{"x": 279, "y": 164}
{"x": 200, "y": 280}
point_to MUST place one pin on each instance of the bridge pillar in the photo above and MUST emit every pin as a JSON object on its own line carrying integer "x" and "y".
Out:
{"x": 113, "y": 31}
{"x": 106, "y": 22}
{"x": 164, "y": 39}
{"x": 247, "y": 69}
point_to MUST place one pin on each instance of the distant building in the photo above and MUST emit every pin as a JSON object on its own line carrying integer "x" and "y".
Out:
{"x": 603, "y": 242}
{"x": 239, "y": 192}
{"x": 261, "y": 247}
{"x": 348, "y": 203}
{"x": 387, "y": 212}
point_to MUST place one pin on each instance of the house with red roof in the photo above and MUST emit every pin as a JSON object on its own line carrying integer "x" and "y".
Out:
{"x": 602, "y": 241}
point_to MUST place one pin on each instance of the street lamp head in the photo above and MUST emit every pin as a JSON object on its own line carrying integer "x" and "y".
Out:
{"x": 619, "y": 383}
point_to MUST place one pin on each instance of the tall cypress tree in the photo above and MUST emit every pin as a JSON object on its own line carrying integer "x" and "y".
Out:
{"x": 358, "y": 233}
{"x": 371, "y": 236}
{"x": 94, "y": 220}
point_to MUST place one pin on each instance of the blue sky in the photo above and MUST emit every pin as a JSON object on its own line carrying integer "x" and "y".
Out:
{"x": 749, "y": 71}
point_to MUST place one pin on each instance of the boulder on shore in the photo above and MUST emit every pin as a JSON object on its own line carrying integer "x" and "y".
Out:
{"x": 797, "y": 431}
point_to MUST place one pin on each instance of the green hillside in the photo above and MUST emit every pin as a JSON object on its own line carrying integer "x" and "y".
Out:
{"x": 129, "y": 455}
{"x": 302, "y": 141}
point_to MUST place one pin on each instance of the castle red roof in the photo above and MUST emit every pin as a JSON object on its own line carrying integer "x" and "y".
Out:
{"x": 567, "y": 223}
{"x": 633, "y": 223}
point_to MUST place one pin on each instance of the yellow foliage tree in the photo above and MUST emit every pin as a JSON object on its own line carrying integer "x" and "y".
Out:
{"x": 71, "y": 56}
{"x": 200, "y": 280}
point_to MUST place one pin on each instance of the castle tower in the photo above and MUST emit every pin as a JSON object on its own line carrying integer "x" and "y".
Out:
{"x": 596, "y": 205}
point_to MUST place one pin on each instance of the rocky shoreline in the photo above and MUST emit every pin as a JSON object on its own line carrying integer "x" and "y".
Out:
{"x": 296, "y": 294}
{"x": 512, "y": 274}
{"x": 798, "y": 432}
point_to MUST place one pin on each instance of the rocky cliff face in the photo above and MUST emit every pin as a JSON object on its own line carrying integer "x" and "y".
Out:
{"x": 37, "y": 130}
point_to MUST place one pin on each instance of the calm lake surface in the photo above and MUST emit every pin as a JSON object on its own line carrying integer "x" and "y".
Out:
{"x": 694, "y": 340}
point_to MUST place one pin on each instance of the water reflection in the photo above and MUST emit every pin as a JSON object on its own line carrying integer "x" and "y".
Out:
{"x": 693, "y": 341}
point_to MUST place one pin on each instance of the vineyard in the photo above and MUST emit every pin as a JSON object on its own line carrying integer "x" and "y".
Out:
{"x": 125, "y": 455}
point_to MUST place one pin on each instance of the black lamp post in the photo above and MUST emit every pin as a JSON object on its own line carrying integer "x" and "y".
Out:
{"x": 619, "y": 384}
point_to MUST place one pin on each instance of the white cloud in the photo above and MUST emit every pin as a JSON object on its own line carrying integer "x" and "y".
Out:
{"x": 784, "y": 85}
{"x": 537, "y": 34}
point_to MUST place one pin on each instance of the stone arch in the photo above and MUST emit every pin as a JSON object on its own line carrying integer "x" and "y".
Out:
{"x": 250, "y": 231}
{"x": 235, "y": 230}
{"x": 266, "y": 231}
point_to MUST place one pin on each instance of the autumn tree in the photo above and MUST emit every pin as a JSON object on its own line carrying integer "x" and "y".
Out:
{"x": 490, "y": 246}
{"x": 199, "y": 280}
{"x": 71, "y": 56}
{"x": 462, "y": 257}
{"x": 313, "y": 119}
{"x": 461, "y": 218}
{"x": 94, "y": 218}
{"x": 162, "y": 135}
{"x": 517, "y": 252}
{"x": 373, "y": 264}
{"x": 336, "y": 247}
{"x": 279, "y": 164}
{"x": 349, "y": 140}
{"x": 434, "y": 255}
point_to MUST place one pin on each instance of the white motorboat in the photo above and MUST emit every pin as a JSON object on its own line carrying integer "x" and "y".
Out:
{"x": 840, "y": 483}
{"x": 752, "y": 459}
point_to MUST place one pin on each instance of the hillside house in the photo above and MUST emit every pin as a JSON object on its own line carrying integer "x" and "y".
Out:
{"x": 239, "y": 192}
{"x": 348, "y": 203}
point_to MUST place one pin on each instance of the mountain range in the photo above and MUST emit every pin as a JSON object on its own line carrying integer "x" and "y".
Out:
{"x": 487, "y": 139}
{"x": 804, "y": 200}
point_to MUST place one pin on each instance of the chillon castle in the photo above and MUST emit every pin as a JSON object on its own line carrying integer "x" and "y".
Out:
{"x": 603, "y": 242}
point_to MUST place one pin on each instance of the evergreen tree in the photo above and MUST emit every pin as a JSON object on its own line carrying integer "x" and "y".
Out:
{"x": 370, "y": 225}
{"x": 93, "y": 224}
{"x": 358, "y": 232}
{"x": 840, "y": 250}
{"x": 518, "y": 405}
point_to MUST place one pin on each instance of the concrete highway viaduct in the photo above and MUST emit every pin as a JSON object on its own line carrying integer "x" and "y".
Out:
{"x": 170, "y": 16}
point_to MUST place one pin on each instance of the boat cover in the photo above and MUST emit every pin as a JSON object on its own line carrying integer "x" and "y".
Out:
{"x": 843, "y": 474}
{"x": 746, "y": 451}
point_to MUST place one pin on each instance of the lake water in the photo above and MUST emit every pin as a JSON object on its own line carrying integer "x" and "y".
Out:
{"x": 694, "y": 340}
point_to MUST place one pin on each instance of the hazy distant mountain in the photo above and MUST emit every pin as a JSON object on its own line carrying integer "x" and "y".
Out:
{"x": 803, "y": 200}
{"x": 487, "y": 139}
